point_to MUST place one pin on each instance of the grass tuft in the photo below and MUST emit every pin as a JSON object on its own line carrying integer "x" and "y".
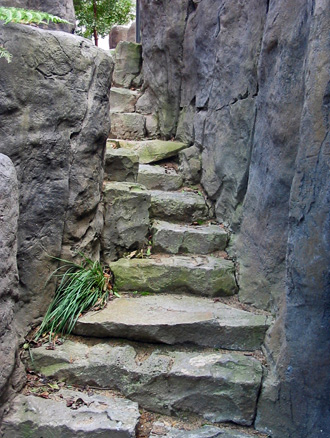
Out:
{"x": 81, "y": 287}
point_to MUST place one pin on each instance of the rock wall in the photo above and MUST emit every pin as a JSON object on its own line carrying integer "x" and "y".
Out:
{"x": 54, "y": 121}
{"x": 61, "y": 8}
{"x": 247, "y": 82}
{"x": 9, "y": 377}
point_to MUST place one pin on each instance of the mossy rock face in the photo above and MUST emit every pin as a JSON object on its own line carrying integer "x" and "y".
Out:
{"x": 203, "y": 276}
{"x": 217, "y": 386}
{"x": 151, "y": 151}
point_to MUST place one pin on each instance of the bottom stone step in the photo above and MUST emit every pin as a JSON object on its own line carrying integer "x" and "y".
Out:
{"x": 161, "y": 431}
{"x": 220, "y": 387}
{"x": 34, "y": 417}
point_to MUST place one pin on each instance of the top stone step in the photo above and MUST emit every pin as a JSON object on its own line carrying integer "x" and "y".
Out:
{"x": 150, "y": 151}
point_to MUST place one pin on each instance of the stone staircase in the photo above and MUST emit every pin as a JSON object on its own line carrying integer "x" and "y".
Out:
{"x": 177, "y": 342}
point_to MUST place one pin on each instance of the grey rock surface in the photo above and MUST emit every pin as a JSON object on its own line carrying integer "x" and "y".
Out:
{"x": 9, "y": 292}
{"x": 173, "y": 319}
{"x": 191, "y": 165}
{"x": 96, "y": 415}
{"x": 123, "y": 100}
{"x": 155, "y": 177}
{"x": 128, "y": 126}
{"x": 128, "y": 63}
{"x": 162, "y": 38}
{"x": 159, "y": 430}
{"x": 121, "y": 165}
{"x": 217, "y": 386}
{"x": 62, "y": 8}
{"x": 198, "y": 275}
{"x": 178, "y": 206}
{"x": 151, "y": 151}
{"x": 54, "y": 106}
{"x": 126, "y": 218}
{"x": 175, "y": 238}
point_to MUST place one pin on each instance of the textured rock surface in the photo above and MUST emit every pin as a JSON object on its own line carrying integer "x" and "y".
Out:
{"x": 128, "y": 125}
{"x": 254, "y": 81}
{"x": 128, "y": 64}
{"x": 123, "y": 100}
{"x": 191, "y": 165}
{"x": 98, "y": 415}
{"x": 54, "y": 106}
{"x": 200, "y": 275}
{"x": 9, "y": 292}
{"x": 162, "y": 29}
{"x": 159, "y": 178}
{"x": 176, "y": 320}
{"x": 178, "y": 206}
{"x": 175, "y": 238}
{"x": 121, "y": 165}
{"x": 159, "y": 430}
{"x": 220, "y": 387}
{"x": 126, "y": 218}
{"x": 151, "y": 151}
{"x": 61, "y": 8}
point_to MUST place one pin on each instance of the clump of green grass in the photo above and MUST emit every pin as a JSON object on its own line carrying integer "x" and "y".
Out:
{"x": 81, "y": 287}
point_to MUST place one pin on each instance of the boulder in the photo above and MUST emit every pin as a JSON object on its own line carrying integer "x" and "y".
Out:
{"x": 117, "y": 33}
{"x": 159, "y": 430}
{"x": 54, "y": 106}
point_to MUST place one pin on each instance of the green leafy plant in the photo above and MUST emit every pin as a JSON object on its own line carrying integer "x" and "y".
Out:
{"x": 81, "y": 287}
{"x": 96, "y": 17}
{"x": 25, "y": 16}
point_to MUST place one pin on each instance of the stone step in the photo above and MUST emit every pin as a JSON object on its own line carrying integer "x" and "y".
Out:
{"x": 128, "y": 125}
{"x": 97, "y": 415}
{"x": 151, "y": 151}
{"x": 160, "y": 430}
{"x": 155, "y": 177}
{"x": 198, "y": 275}
{"x": 123, "y": 100}
{"x": 178, "y": 206}
{"x": 220, "y": 387}
{"x": 173, "y": 319}
{"x": 175, "y": 238}
{"x": 126, "y": 218}
{"x": 121, "y": 165}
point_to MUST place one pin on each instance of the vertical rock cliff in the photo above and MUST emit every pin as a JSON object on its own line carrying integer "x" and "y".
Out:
{"x": 247, "y": 82}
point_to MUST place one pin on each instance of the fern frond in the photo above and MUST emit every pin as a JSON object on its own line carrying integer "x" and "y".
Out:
{"x": 25, "y": 16}
{"x": 5, "y": 54}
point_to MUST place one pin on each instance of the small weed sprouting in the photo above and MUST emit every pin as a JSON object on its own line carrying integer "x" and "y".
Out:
{"x": 81, "y": 287}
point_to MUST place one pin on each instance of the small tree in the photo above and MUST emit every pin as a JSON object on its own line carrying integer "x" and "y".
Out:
{"x": 96, "y": 17}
